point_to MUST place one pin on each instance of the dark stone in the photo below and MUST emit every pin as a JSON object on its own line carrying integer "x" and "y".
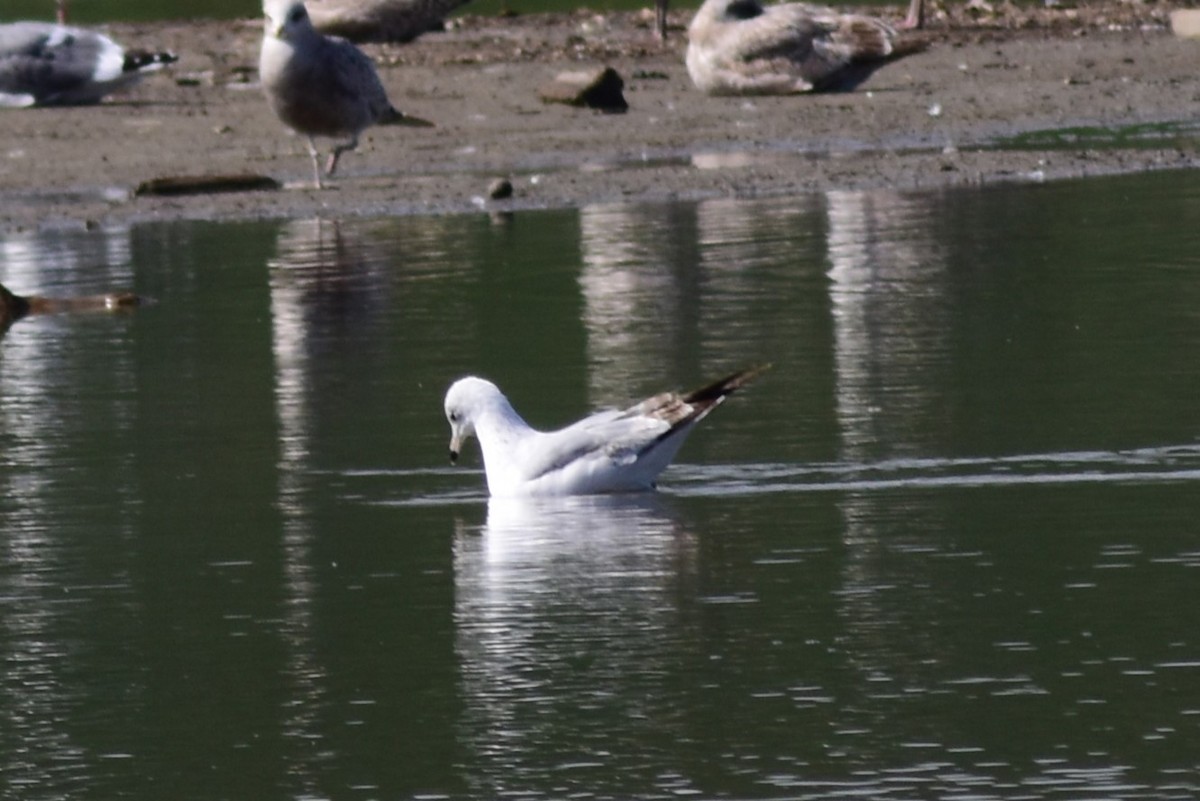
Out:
{"x": 599, "y": 89}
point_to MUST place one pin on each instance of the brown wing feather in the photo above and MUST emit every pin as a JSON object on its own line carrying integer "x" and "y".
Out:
{"x": 679, "y": 411}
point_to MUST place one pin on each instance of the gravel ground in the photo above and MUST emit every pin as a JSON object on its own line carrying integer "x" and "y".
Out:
{"x": 989, "y": 76}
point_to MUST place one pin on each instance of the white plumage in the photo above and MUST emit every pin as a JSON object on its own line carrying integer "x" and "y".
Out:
{"x": 610, "y": 451}
{"x": 44, "y": 64}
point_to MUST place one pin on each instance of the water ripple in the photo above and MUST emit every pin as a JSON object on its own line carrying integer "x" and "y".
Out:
{"x": 1159, "y": 465}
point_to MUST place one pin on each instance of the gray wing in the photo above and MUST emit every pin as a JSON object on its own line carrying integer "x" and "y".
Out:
{"x": 615, "y": 436}
{"x": 42, "y": 63}
{"x": 352, "y": 74}
{"x": 623, "y": 436}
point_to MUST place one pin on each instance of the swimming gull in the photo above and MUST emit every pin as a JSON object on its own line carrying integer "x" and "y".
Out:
{"x": 320, "y": 85}
{"x": 610, "y": 451}
{"x": 380, "y": 20}
{"x": 744, "y": 47}
{"x": 45, "y": 64}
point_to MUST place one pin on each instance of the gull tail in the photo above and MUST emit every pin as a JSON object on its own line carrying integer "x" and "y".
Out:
{"x": 682, "y": 411}
{"x": 394, "y": 116}
{"x": 143, "y": 61}
{"x": 707, "y": 398}
{"x": 12, "y": 307}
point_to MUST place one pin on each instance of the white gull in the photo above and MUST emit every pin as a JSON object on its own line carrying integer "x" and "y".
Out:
{"x": 45, "y": 64}
{"x": 380, "y": 20}
{"x": 610, "y": 451}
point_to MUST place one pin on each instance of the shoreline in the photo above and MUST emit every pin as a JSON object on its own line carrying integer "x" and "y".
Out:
{"x": 929, "y": 121}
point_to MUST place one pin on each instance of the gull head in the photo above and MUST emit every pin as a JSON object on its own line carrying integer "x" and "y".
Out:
{"x": 466, "y": 399}
{"x": 286, "y": 19}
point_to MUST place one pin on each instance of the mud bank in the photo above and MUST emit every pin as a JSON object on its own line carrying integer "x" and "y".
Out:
{"x": 935, "y": 119}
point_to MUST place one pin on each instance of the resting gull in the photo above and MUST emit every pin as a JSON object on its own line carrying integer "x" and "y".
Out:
{"x": 744, "y": 47}
{"x": 320, "y": 85}
{"x": 610, "y": 451}
{"x": 380, "y": 20}
{"x": 44, "y": 64}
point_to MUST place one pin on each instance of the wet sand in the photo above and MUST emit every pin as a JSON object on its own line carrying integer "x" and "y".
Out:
{"x": 927, "y": 121}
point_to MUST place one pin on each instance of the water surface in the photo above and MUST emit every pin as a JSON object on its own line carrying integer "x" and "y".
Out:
{"x": 946, "y": 548}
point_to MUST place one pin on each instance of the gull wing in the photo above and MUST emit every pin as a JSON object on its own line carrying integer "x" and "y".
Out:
{"x": 353, "y": 75}
{"x": 618, "y": 439}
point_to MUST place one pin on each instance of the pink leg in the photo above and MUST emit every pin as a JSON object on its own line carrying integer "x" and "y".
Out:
{"x": 915, "y": 18}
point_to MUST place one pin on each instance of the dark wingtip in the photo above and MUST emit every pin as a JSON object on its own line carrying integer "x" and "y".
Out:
{"x": 730, "y": 383}
{"x": 393, "y": 116}
{"x": 453, "y": 457}
{"x": 12, "y": 307}
{"x": 140, "y": 59}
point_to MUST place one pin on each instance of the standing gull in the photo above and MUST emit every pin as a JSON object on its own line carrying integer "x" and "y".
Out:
{"x": 744, "y": 47}
{"x": 44, "y": 64}
{"x": 610, "y": 451}
{"x": 320, "y": 85}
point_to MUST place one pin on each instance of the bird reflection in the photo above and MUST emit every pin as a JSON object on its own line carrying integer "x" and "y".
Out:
{"x": 888, "y": 292}
{"x": 756, "y": 258}
{"x": 325, "y": 282}
{"x": 45, "y": 421}
{"x": 562, "y": 606}
{"x": 663, "y": 285}
{"x": 328, "y": 284}
{"x": 637, "y": 283}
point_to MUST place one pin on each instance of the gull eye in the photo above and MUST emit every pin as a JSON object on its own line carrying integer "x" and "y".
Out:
{"x": 453, "y": 417}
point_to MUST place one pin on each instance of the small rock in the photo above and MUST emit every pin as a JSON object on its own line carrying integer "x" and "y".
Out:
{"x": 598, "y": 89}
{"x": 500, "y": 189}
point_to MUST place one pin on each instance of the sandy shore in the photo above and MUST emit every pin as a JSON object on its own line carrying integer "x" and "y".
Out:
{"x": 929, "y": 120}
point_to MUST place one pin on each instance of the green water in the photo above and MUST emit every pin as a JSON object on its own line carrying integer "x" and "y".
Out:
{"x": 946, "y": 548}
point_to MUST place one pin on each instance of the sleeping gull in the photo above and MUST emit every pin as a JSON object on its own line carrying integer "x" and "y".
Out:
{"x": 44, "y": 64}
{"x": 320, "y": 85}
{"x": 380, "y": 20}
{"x": 610, "y": 451}
{"x": 744, "y": 47}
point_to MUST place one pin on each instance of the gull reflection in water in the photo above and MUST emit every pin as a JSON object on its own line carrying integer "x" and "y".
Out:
{"x": 889, "y": 294}
{"x": 327, "y": 285}
{"x": 568, "y": 621}
{"x": 45, "y": 421}
{"x": 638, "y": 273}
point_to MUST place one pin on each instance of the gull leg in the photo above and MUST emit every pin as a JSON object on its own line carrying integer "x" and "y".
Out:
{"x": 660, "y": 19}
{"x": 60, "y": 12}
{"x": 338, "y": 151}
{"x": 316, "y": 161}
{"x": 915, "y": 18}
